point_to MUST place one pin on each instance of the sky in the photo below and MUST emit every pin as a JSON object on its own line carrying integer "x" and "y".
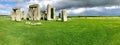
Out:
{"x": 73, "y": 7}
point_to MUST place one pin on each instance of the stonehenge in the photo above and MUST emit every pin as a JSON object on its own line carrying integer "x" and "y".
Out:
{"x": 34, "y": 13}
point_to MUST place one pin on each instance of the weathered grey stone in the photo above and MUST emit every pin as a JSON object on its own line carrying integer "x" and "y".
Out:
{"x": 37, "y": 12}
{"x": 48, "y": 12}
{"x": 18, "y": 15}
{"x": 34, "y": 14}
{"x": 34, "y": 6}
{"x": 12, "y": 15}
{"x": 16, "y": 8}
{"x": 64, "y": 15}
{"x": 30, "y": 14}
{"x": 53, "y": 14}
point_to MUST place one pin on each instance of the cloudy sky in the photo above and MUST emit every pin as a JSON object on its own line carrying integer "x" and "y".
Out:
{"x": 73, "y": 7}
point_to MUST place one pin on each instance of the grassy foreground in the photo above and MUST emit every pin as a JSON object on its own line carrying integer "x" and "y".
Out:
{"x": 76, "y": 31}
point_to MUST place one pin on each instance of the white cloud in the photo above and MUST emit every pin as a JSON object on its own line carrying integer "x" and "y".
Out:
{"x": 76, "y": 11}
{"x": 112, "y": 7}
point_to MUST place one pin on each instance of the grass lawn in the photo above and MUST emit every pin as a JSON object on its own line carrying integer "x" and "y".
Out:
{"x": 76, "y": 31}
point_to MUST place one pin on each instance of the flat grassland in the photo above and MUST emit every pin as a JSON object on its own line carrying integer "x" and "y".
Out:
{"x": 76, "y": 31}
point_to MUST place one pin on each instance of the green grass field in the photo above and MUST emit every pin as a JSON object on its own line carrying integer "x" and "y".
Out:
{"x": 77, "y": 31}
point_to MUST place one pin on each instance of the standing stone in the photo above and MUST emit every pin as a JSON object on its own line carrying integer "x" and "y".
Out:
{"x": 34, "y": 14}
{"x": 64, "y": 15}
{"x": 53, "y": 15}
{"x": 38, "y": 14}
{"x": 30, "y": 14}
{"x": 18, "y": 16}
{"x": 60, "y": 15}
{"x": 48, "y": 12}
{"x": 12, "y": 15}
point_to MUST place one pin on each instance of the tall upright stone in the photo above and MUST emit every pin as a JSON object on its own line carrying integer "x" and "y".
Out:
{"x": 30, "y": 14}
{"x": 18, "y": 16}
{"x": 53, "y": 14}
{"x": 37, "y": 13}
{"x": 60, "y": 15}
{"x": 48, "y": 12}
{"x": 64, "y": 15}
{"x": 12, "y": 15}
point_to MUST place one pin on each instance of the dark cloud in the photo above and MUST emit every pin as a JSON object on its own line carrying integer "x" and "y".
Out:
{"x": 85, "y": 3}
{"x": 104, "y": 12}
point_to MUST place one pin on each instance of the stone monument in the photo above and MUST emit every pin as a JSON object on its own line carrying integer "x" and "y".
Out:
{"x": 64, "y": 15}
{"x": 48, "y": 12}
